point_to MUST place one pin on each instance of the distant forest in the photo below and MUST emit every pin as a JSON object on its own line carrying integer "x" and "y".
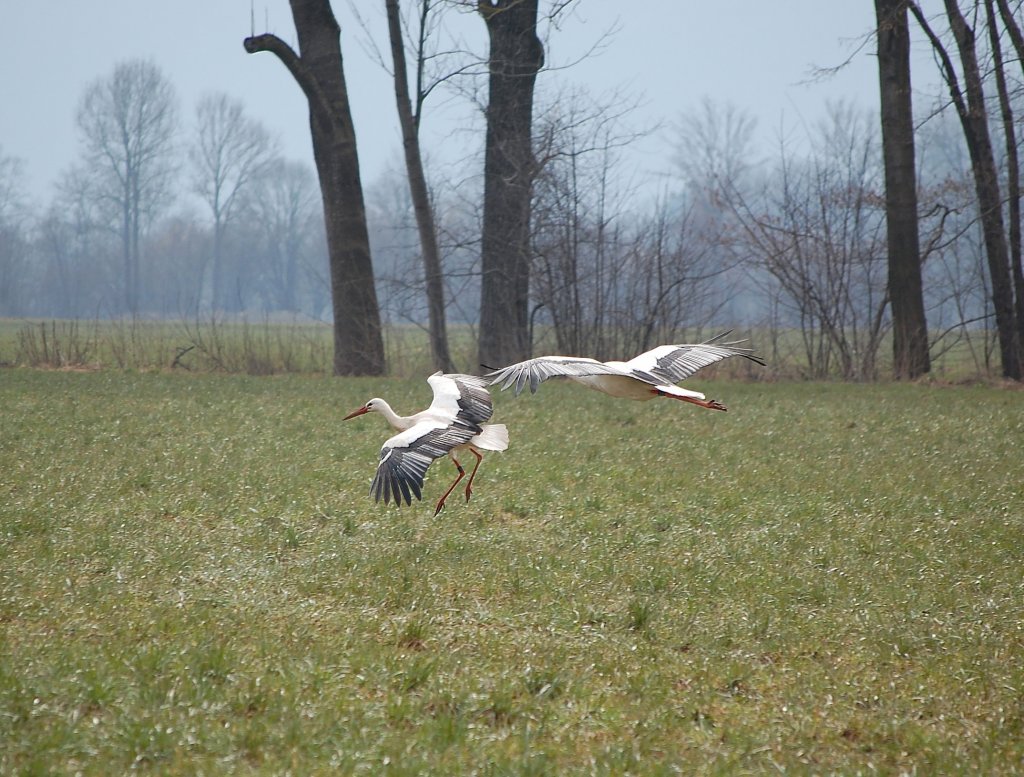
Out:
{"x": 191, "y": 212}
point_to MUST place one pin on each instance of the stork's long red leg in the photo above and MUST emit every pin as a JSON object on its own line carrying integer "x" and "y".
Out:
{"x": 710, "y": 404}
{"x": 462, "y": 474}
{"x": 469, "y": 485}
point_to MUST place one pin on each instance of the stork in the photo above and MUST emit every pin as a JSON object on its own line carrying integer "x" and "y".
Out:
{"x": 649, "y": 375}
{"x": 451, "y": 425}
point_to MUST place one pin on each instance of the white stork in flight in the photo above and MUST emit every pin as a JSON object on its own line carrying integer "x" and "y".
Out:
{"x": 453, "y": 423}
{"x": 649, "y": 375}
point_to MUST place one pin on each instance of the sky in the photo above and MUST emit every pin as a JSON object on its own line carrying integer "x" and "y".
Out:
{"x": 757, "y": 55}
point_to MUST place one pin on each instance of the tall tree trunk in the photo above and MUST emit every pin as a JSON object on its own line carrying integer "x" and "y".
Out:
{"x": 910, "y": 328}
{"x": 516, "y": 56}
{"x": 418, "y": 189}
{"x": 1013, "y": 185}
{"x": 1012, "y": 170}
{"x": 358, "y": 342}
{"x": 974, "y": 120}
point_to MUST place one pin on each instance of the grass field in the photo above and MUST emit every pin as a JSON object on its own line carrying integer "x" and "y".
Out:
{"x": 281, "y": 346}
{"x": 262, "y": 347}
{"x": 193, "y": 580}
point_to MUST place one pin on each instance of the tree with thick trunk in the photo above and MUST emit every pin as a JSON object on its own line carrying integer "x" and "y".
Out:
{"x": 516, "y": 56}
{"x": 1013, "y": 185}
{"x": 317, "y": 68}
{"x": 974, "y": 121}
{"x": 410, "y": 121}
{"x": 906, "y": 296}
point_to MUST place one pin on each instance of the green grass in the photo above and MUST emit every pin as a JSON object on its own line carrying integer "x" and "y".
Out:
{"x": 825, "y": 579}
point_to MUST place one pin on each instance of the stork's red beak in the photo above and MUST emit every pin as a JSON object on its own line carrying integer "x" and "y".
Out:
{"x": 354, "y": 413}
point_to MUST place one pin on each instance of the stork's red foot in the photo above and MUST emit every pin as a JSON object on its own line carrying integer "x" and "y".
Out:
{"x": 710, "y": 404}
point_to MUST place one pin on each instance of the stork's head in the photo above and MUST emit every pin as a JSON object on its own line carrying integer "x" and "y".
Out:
{"x": 373, "y": 406}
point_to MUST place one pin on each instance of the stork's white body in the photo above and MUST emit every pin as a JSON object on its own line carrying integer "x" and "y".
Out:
{"x": 451, "y": 425}
{"x": 649, "y": 375}
{"x": 626, "y": 386}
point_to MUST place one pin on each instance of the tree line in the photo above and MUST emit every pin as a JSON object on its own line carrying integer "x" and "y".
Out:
{"x": 895, "y": 223}
{"x": 156, "y": 219}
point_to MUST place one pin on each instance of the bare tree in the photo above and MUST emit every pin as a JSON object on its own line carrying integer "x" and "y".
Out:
{"x": 516, "y": 56}
{"x": 974, "y": 121}
{"x": 817, "y": 229}
{"x": 319, "y": 71}
{"x": 714, "y": 148}
{"x": 13, "y": 247}
{"x": 606, "y": 279}
{"x": 284, "y": 220}
{"x": 11, "y": 184}
{"x": 56, "y": 242}
{"x": 76, "y": 237}
{"x": 178, "y": 247}
{"x": 409, "y": 119}
{"x": 676, "y": 275}
{"x": 128, "y": 123}
{"x": 910, "y": 328}
{"x": 230, "y": 149}
{"x": 1013, "y": 185}
{"x": 575, "y": 241}
{"x": 952, "y": 280}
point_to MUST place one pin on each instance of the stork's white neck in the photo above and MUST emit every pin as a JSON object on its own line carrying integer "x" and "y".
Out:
{"x": 398, "y": 422}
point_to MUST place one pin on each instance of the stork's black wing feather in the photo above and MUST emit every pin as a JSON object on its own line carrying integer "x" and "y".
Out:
{"x": 404, "y": 459}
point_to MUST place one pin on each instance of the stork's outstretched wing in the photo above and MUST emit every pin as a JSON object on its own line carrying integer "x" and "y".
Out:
{"x": 674, "y": 363}
{"x": 460, "y": 397}
{"x": 405, "y": 457}
{"x": 536, "y": 371}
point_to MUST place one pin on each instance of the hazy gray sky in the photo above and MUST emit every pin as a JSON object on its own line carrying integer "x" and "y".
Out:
{"x": 755, "y": 54}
